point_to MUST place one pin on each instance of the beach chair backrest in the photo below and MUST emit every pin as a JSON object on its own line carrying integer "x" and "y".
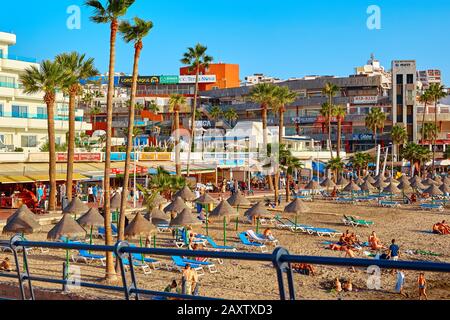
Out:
{"x": 178, "y": 261}
{"x": 243, "y": 238}
{"x": 211, "y": 242}
{"x": 252, "y": 234}
{"x": 114, "y": 228}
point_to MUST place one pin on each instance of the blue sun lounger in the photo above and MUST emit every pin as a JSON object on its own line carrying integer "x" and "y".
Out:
{"x": 216, "y": 247}
{"x": 179, "y": 264}
{"x": 101, "y": 231}
{"x": 432, "y": 207}
{"x": 211, "y": 266}
{"x": 247, "y": 244}
{"x": 88, "y": 258}
{"x": 323, "y": 232}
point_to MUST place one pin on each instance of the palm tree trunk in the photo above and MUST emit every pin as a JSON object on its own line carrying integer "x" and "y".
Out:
{"x": 265, "y": 140}
{"x": 288, "y": 191}
{"x": 71, "y": 144}
{"x": 280, "y": 142}
{"x": 434, "y": 135}
{"x": 194, "y": 110}
{"x": 423, "y": 124}
{"x": 131, "y": 116}
{"x": 338, "y": 152}
{"x": 329, "y": 136}
{"x": 111, "y": 275}
{"x": 177, "y": 142}
{"x": 50, "y": 101}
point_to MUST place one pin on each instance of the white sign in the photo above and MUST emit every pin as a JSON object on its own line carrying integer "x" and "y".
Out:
{"x": 201, "y": 79}
{"x": 365, "y": 100}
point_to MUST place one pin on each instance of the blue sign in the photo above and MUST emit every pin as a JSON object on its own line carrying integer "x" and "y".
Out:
{"x": 363, "y": 136}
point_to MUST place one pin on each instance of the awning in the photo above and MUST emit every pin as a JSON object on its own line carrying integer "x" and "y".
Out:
{"x": 13, "y": 179}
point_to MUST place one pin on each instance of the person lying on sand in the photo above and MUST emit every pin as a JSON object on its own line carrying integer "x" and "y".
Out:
{"x": 441, "y": 228}
{"x": 303, "y": 268}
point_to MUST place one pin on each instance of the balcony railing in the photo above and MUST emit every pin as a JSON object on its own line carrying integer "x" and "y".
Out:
{"x": 17, "y": 58}
{"x": 36, "y": 116}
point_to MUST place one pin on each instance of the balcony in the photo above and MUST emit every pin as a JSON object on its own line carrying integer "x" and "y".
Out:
{"x": 39, "y": 121}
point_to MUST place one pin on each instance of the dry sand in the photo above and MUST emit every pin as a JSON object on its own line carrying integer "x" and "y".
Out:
{"x": 256, "y": 280}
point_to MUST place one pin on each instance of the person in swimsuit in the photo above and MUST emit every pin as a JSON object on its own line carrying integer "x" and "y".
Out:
{"x": 422, "y": 282}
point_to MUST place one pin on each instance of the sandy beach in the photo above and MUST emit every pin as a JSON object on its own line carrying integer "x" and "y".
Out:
{"x": 255, "y": 280}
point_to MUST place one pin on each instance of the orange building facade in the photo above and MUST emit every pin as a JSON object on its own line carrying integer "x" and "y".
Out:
{"x": 227, "y": 76}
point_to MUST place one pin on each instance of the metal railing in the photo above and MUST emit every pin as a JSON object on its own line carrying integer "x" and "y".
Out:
{"x": 280, "y": 258}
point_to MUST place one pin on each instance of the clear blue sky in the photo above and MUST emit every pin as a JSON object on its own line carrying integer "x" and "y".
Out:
{"x": 283, "y": 38}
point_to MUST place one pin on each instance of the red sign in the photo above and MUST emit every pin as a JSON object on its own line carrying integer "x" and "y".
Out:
{"x": 139, "y": 170}
{"x": 80, "y": 157}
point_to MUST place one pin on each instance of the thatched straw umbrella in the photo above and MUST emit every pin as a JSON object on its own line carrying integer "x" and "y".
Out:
{"x": 296, "y": 207}
{"x": 140, "y": 227}
{"x": 156, "y": 216}
{"x": 224, "y": 210}
{"x": 206, "y": 200}
{"x": 341, "y": 181}
{"x": 23, "y": 209}
{"x": 115, "y": 202}
{"x": 359, "y": 181}
{"x": 404, "y": 178}
{"x": 21, "y": 223}
{"x": 392, "y": 189}
{"x": 429, "y": 182}
{"x": 438, "y": 180}
{"x": 367, "y": 187}
{"x": 418, "y": 185}
{"x": 91, "y": 219}
{"x": 380, "y": 184}
{"x": 176, "y": 206}
{"x": 185, "y": 218}
{"x": 313, "y": 185}
{"x": 186, "y": 194}
{"x": 433, "y": 191}
{"x": 415, "y": 179}
{"x": 445, "y": 188}
{"x": 370, "y": 179}
{"x": 66, "y": 228}
{"x": 391, "y": 180}
{"x": 352, "y": 187}
{"x": 405, "y": 186}
{"x": 76, "y": 207}
{"x": 158, "y": 200}
{"x": 328, "y": 183}
{"x": 257, "y": 211}
{"x": 446, "y": 180}
{"x": 236, "y": 200}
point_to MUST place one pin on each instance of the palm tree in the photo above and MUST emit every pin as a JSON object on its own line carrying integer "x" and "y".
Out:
{"x": 283, "y": 96}
{"x": 216, "y": 112}
{"x": 358, "y": 161}
{"x": 47, "y": 78}
{"x": 424, "y": 98}
{"x": 289, "y": 164}
{"x": 153, "y": 107}
{"x": 77, "y": 68}
{"x": 197, "y": 60}
{"x": 109, "y": 14}
{"x": 399, "y": 136}
{"x": 437, "y": 92}
{"x": 339, "y": 112}
{"x": 134, "y": 33}
{"x": 327, "y": 112}
{"x": 330, "y": 90}
{"x": 176, "y": 102}
{"x": 336, "y": 165}
{"x": 416, "y": 155}
{"x": 264, "y": 95}
{"x": 231, "y": 115}
{"x": 95, "y": 111}
{"x": 375, "y": 121}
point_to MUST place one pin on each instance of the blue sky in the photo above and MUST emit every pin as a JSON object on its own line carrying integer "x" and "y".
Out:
{"x": 283, "y": 38}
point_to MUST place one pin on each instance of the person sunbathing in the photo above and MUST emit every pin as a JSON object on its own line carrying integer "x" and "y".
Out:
{"x": 348, "y": 286}
{"x": 5, "y": 266}
{"x": 268, "y": 234}
{"x": 342, "y": 239}
{"x": 374, "y": 242}
{"x": 441, "y": 228}
{"x": 303, "y": 268}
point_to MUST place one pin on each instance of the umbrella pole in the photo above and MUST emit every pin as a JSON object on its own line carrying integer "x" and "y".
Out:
{"x": 224, "y": 231}
{"x": 154, "y": 241}
{"x": 140, "y": 244}
{"x": 257, "y": 225}
{"x": 24, "y": 262}
{"x": 67, "y": 261}
{"x": 90, "y": 236}
{"x": 207, "y": 223}
{"x": 237, "y": 219}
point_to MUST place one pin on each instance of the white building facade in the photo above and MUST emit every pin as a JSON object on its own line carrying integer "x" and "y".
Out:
{"x": 23, "y": 117}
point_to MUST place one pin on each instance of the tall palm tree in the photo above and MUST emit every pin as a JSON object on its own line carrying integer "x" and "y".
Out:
{"x": 109, "y": 14}
{"x": 437, "y": 92}
{"x": 77, "y": 68}
{"x": 176, "y": 102}
{"x": 216, "y": 112}
{"x": 375, "y": 121}
{"x": 289, "y": 164}
{"x": 339, "y": 112}
{"x": 358, "y": 161}
{"x": 264, "y": 95}
{"x": 283, "y": 97}
{"x": 416, "y": 154}
{"x": 426, "y": 99}
{"x": 47, "y": 78}
{"x": 231, "y": 115}
{"x": 330, "y": 90}
{"x": 134, "y": 33}
{"x": 197, "y": 60}
{"x": 327, "y": 112}
{"x": 95, "y": 111}
{"x": 336, "y": 165}
{"x": 399, "y": 136}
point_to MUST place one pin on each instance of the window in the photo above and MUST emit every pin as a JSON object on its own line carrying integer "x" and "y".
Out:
{"x": 399, "y": 79}
{"x": 1, "y": 110}
{"x": 28, "y": 141}
{"x": 7, "y": 82}
{"x": 6, "y": 139}
{"x": 409, "y": 78}
{"x": 20, "y": 111}
{"x": 41, "y": 112}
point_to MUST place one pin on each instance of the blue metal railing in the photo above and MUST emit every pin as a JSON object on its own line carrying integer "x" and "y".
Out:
{"x": 280, "y": 258}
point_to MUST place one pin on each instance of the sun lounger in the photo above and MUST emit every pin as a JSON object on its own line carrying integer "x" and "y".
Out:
{"x": 139, "y": 264}
{"x": 211, "y": 266}
{"x": 101, "y": 232}
{"x": 156, "y": 264}
{"x": 284, "y": 223}
{"x": 305, "y": 198}
{"x": 389, "y": 204}
{"x": 88, "y": 258}
{"x": 248, "y": 244}
{"x": 431, "y": 207}
{"x": 345, "y": 201}
{"x": 254, "y": 237}
{"x": 351, "y": 221}
{"x": 216, "y": 247}
{"x": 179, "y": 264}
{"x": 182, "y": 241}
{"x": 323, "y": 232}
{"x": 164, "y": 227}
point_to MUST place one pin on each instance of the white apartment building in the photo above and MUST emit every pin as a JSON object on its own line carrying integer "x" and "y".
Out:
{"x": 23, "y": 118}
{"x": 258, "y": 78}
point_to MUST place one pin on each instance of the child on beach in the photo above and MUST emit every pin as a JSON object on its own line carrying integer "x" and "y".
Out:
{"x": 5, "y": 266}
{"x": 422, "y": 282}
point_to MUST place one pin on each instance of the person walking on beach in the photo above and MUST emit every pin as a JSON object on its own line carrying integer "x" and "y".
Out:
{"x": 393, "y": 253}
{"x": 400, "y": 283}
{"x": 422, "y": 282}
{"x": 189, "y": 279}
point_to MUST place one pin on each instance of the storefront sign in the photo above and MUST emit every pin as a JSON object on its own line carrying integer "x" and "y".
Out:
{"x": 80, "y": 157}
{"x": 302, "y": 120}
{"x": 362, "y": 136}
{"x": 206, "y": 124}
{"x": 201, "y": 79}
{"x": 169, "y": 79}
{"x": 145, "y": 80}
{"x": 365, "y": 100}
{"x": 154, "y": 80}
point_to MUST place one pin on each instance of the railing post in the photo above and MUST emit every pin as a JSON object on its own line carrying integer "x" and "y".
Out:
{"x": 128, "y": 290}
{"x": 283, "y": 267}
{"x": 20, "y": 275}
